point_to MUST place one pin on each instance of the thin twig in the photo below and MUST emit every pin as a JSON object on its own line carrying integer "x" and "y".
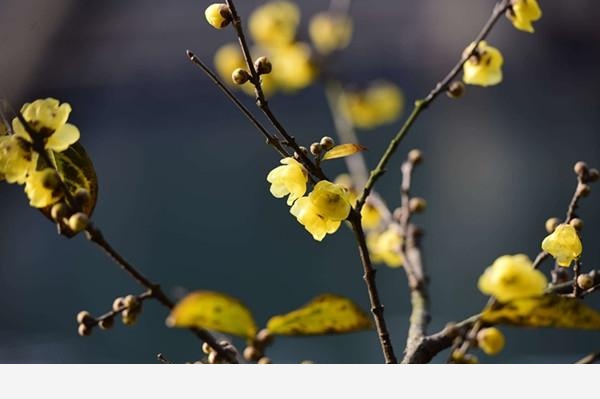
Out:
{"x": 589, "y": 359}
{"x": 420, "y": 105}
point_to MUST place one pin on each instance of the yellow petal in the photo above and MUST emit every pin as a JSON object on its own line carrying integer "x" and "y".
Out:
{"x": 61, "y": 139}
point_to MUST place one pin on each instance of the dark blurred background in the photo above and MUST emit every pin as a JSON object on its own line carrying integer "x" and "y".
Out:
{"x": 182, "y": 173}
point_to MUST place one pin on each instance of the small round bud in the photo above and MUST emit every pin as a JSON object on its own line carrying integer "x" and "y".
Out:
{"x": 84, "y": 317}
{"x": 456, "y": 89}
{"x": 490, "y": 340}
{"x": 206, "y": 348}
{"x": 580, "y": 168}
{"x": 117, "y": 304}
{"x": 577, "y": 223}
{"x": 593, "y": 175}
{"x": 59, "y": 212}
{"x": 417, "y": 205}
{"x": 107, "y": 323}
{"x": 240, "y": 76}
{"x": 214, "y": 358}
{"x": 132, "y": 302}
{"x": 327, "y": 143}
{"x": 415, "y": 156}
{"x": 218, "y": 15}
{"x": 251, "y": 354}
{"x": 316, "y": 149}
{"x": 51, "y": 180}
{"x": 264, "y": 360}
{"x": 585, "y": 281}
{"x": 263, "y": 65}
{"x": 78, "y": 222}
{"x": 84, "y": 330}
{"x": 264, "y": 337}
{"x": 304, "y": 151}
{"x": 128, "y": 317}
{"x": 583, "y": 190}
{"x": 307, "y": 362}
{"x": 82, "y": 196}
{"x": 551, "y": 224}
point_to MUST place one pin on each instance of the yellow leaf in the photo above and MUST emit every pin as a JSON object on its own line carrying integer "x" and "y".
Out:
{"x": 545, "y": 311}
{"x": 325, "y": 314}
{"x": 343, "y": 150}
{"x": 213, "y": 311}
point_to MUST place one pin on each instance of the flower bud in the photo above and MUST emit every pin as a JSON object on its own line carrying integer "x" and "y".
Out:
{"x": 82, "y": 197}
{"x": 490, "y": 340}
{"x": 206, "y": 348}
{"x": 577, "y": 223}
{"x": 417, "y": 205}
{"x": 264, "y": 337}
{"x": 117, "y": 304}
{"x": 585, "y": 281}
{"x": 551, "y": 224}
{"x": 59, "y": 212}
{"x": 327, "y": 143}
{"x": 304, "y": 151}
{"x": 84, "y": 317}
{"x": 128, "y": 317}
{"x": 132, "y": 302}
{"x": 251, "y": 354}
{"x": 218, "y": 15}
{"x": 580, "y": 168}
{"x": 214, "y": 358}
{"x": 415, "y": 156}
{"x": 78, "y": 222}
{"x": 455, "y": 89}
{"x": 316, "y": 149}
{"x": 263, "y": 65}
{"x": 264, "y": 360}
{"x": 240, "y": 76}
{"x": 84, "y": 330}
{"x": 593, "y": 175}
{"x": 107, "y": 323}
{"x": 583, "y": 190}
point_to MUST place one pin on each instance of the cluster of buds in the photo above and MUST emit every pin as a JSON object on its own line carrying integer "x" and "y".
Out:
{"x": 255, "y": 351}
{"x": 320, "y": 148}
{"x": 130, "y": 307}
{"x": 585, "y": 176}
{"x": 68, "y": 219}
{"x": 213, "y": 357}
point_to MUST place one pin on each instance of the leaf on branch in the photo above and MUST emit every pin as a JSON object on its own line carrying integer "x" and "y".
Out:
{"x": 213, "y": 311}
{"x": 343, "y": 150}
{"x": 325, "y": 314}
{"x": 546, "y": 311}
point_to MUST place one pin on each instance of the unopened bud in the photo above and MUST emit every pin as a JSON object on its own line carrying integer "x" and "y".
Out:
{"x": 415, "y": 156}
{"x": 577, "y": 223}
{"x": 78, "y": 222}
{"x": 59, "y": 212}
{"x": 456, "y": 89}
{"x": 327, "y": 143}
{"x": 84, "y": 330}
{"x": 240, "y": 76}
{"x": 218, "y": 15}
{"x": 417, "y": 205}
{"x": 316, "y": 149}
{"x": 585, "y": 281}
{"x": 263, "y": 65}
{"x": 84, "y": 317}
{"x": 580, "y": 168}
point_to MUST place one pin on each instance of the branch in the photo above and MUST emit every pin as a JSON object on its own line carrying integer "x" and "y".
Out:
{"x": 420, "y": 105}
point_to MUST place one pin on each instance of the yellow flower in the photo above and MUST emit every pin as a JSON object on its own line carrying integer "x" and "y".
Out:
{"x": 42, "y": 188}
{"x": 484, "y": 68}
{"x": 330, "y": 31}
{"x": 218, "y": 15}
{"x": 274, "y": 24}
{"x": 512, "y": 277}
{"x": 323, "y": 210}
{"x": 563, "y": 244}
{"x": 385, "y": 247}
{"x": 380, "y": 103}
{"x": 523, "y": 12}
{"x": 490, "y": 340}
{"x": 48, "y": 118}
{"x": 290, "y": 178}
{"x": 16, "y": 159}
{"x": 370, "y": 215}
{"x": 293, "y": 68}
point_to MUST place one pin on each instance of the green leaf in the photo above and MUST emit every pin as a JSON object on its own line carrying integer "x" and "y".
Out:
{"x": 325, "y": 314}
{"x": 546, "y": 311}
{"x": 343, "y": 150}
{"x": 213, "y": 311}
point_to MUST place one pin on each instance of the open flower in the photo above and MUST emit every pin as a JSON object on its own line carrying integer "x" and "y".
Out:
{"x": 380, "y": 103}
{"x": 42, "y": 188}
{"x": 323, "y": 210}
{"x": 330, "y": 31}
{"x": 385, "y": 247}
{"x": 288, "y": 179}
{"x": 523, "y": 12}
{"x": 16, "y": 159}
{"x": 370, "y": 215}
{"x": 293, "y": 68}
{"x": 274, "y": 24}
{"x": 512, "y": 277}
{"x": 484, "y": 67}
{"x": 563, "y": 244}
{"x": 48, "y": 118}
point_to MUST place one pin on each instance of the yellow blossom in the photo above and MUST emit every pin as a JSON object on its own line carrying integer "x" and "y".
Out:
{"x": 484, "y": 68}
{"x": 42, "y": 188}
{"x": 330, "y": 31}
{"x": 218, "y": 15}
{"x": 370, "y": 215}
{"x": 293, "y": 68}
{"x": 523, "y": 12}
{"x": 563, "y": 244}
{"x": 16, "y": 159}
{"x": 274, "y": 24}
{"x": 290, "y": 178}
{"x": 380, "y": 103}
{"x": 48, "y": 118}
{"x": 490, "y": 340}
{"x": 385, "y": 247}
{"x": 323, "y": 210}
{"x": 512, "y": 277}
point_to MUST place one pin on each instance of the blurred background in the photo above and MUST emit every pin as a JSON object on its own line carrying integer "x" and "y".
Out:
{"x": 182, "y": 173}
